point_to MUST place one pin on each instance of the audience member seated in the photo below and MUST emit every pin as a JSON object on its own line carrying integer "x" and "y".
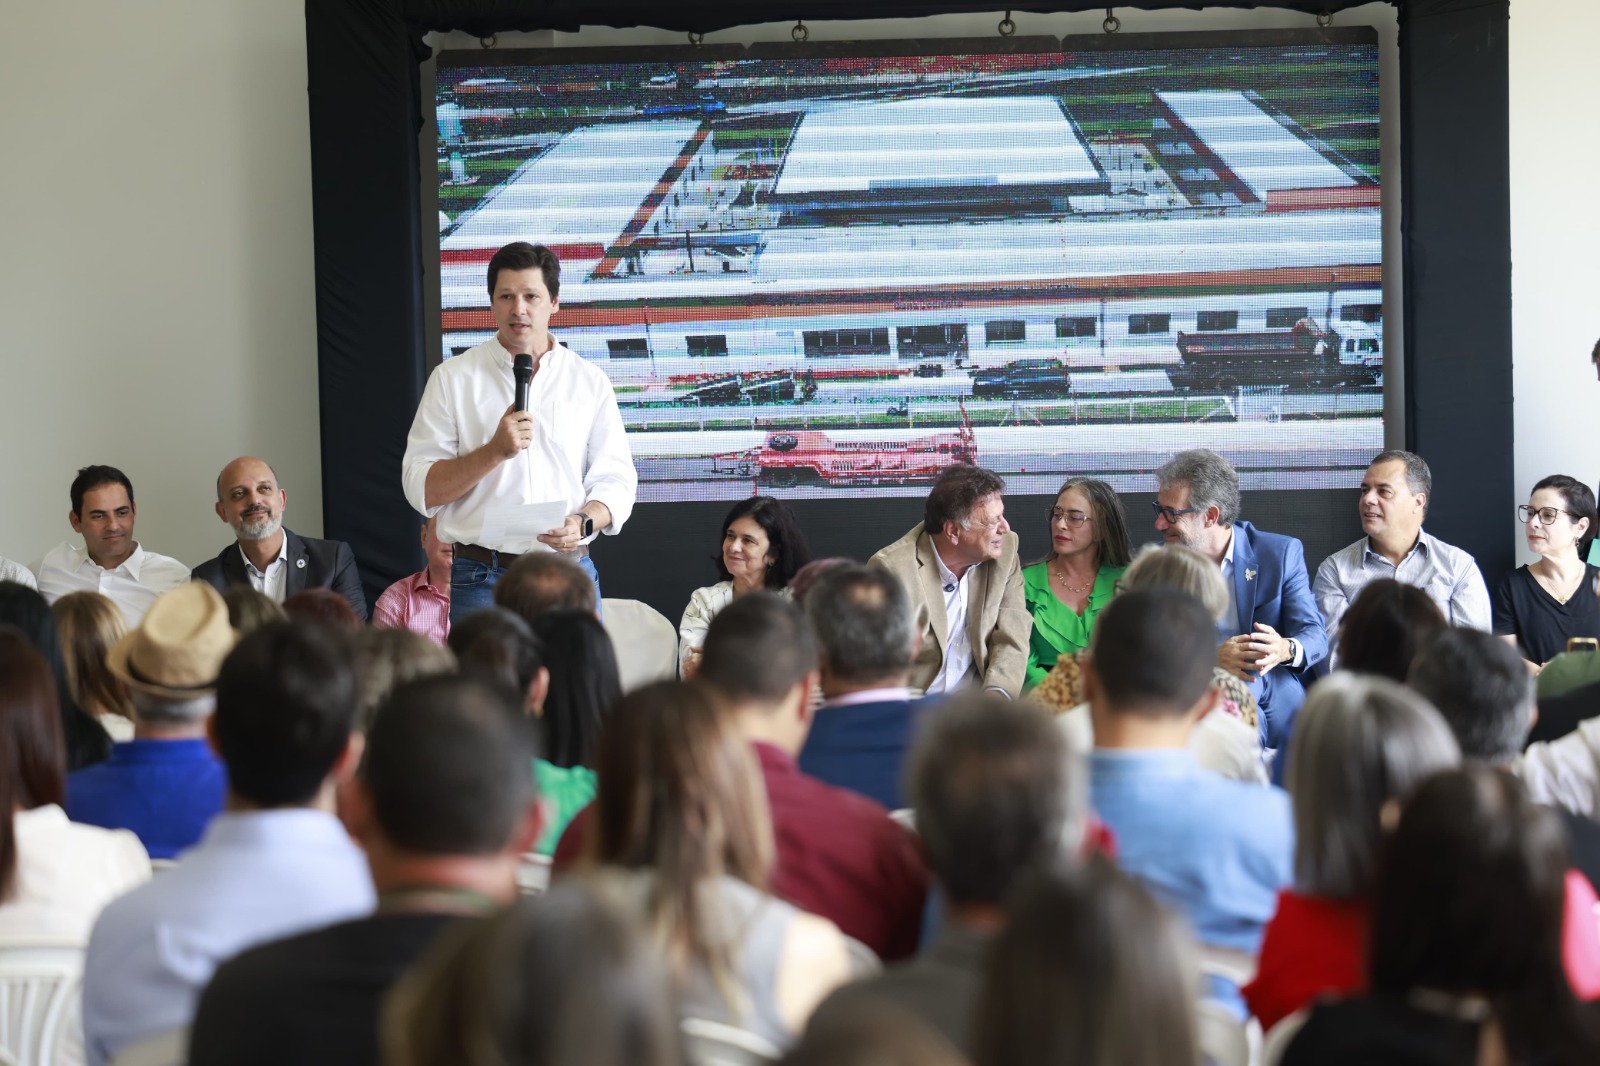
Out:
{"x": 873, "y": 1034}
{"x": 1089, "y": 969}
{"x": 1569, "y": 689}
{"x": 1067, "y": 589}
{"x": 1385, "y": 627}
{"x": 996, "y": 794}
{"x": 1395, "y": 494}
{"x": 275, "y": 862}
{"x": 1361, "y": 745}
{"x": 386, "y": 658}
{"x": 541, "y": 581}
{"x": 89, "y": 625}
{"x": 443, "y": 806}
{"x": 839, "y": 854}
{"x": 421, "y": 602}
{"x": 166, "y": 783}
{"x": 265, "y": 555}
{"x": 866, "y": 637}
{"x": 1225, "y": 741}
{"x": 959, "y": 565}
{"x": 563, "y": 980}
{"x": 323, "y": 606}
{"x": 1465, "y": 960}
{"x": 249, "y": 610}
{"x": 55, "y": 876}
{"x": 680, "y": 803}
{"x": 16, "y": 572}
{"x": 110, "y": 561}
{"x": 762, "y": 548}
{"x": 1483, "y": 691}
{"x": 1539, "y": 606}
{"x": 1275, "y": 635}
{"x": 86, "y": 740}
{"x": 1216, "y": 850}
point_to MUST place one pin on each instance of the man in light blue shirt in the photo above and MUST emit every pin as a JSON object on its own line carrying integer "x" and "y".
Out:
{"x": 1213, "y": 849}
{"x": 275, "y": 862}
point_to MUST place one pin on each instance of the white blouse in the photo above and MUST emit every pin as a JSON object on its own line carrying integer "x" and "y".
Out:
{"x": 703, "y": 606}
{"x": 66, "y": 873}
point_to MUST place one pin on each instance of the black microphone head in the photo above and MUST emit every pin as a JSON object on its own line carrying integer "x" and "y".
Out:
{"x": 522, "y": 367}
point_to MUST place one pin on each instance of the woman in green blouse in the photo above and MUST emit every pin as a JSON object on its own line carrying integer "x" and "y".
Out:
{"x": 1068, "y": 588}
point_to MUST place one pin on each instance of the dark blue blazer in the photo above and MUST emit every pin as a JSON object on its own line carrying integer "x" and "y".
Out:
{"x": 311, "y": 562}
{"x": 862, "y": 747}
{"x": 1270, "y": 585}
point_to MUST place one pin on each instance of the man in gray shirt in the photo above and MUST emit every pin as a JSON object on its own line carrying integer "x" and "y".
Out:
{"x": 1394, "y": 500}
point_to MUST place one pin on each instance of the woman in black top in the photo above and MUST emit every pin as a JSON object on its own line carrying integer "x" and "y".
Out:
{"x": 1537, "y": 607}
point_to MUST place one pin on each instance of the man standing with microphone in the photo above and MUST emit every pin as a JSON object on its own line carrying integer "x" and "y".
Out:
{"x": 513, "y": 434}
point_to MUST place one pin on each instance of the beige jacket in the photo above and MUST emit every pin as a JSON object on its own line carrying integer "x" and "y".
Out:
{"x": 998, "y": 623}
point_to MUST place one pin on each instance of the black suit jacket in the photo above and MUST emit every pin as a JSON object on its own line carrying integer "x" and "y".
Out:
{"x": 312, "y": 563}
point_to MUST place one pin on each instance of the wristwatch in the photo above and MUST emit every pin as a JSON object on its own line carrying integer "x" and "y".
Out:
{"x": 588, "y": 523}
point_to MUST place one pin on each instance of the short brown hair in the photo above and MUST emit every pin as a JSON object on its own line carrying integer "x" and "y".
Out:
{"x": 956, "y": 491}
{"x": 544, "y": 581}
{"x": 520, "y": 255}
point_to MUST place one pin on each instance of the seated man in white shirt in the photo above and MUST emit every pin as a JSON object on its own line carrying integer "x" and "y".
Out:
{"x": 274, "y": 863}
{"x": 1395, "y": 494}
{"x": 474, "y": 461}
{"x": 110, "y": 561}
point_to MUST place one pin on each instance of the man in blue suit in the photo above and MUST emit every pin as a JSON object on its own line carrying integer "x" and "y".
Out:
{"x": 1274, "y": 634}
{"x": 867, "y": 637}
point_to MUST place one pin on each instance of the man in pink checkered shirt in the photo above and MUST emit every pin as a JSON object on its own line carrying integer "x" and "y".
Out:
{"x": 421, "y": 602}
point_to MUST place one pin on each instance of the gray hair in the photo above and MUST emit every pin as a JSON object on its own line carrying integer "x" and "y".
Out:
{"x": 1360, "y": 742}
{"x": 1181, "y": 568}
{"x": 1212, "y": 481}
{"x": 864, "y": 623}
{"x": 1419, "y": 479}
{"x": 158, "y": 710}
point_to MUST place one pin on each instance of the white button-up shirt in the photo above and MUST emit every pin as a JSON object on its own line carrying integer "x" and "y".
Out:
{"x": 132, "y": 586}
{"x": 274, "y": 582}
{"x": 579, "y": 451}
{"x": 958, "y": 643}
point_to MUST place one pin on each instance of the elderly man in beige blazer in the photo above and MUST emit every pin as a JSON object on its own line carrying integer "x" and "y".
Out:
{"x": 960, "y": 566}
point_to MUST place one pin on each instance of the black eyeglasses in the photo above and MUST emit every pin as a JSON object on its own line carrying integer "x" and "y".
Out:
{"x": 1547, "y": 515}
{"x": 1171, "y": 514}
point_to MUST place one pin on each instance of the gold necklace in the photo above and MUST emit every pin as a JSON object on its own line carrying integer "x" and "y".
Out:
{"x": 1059, "y": 576}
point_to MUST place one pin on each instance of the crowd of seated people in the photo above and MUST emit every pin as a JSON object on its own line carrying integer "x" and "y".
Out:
{"x": 946, "y": 806}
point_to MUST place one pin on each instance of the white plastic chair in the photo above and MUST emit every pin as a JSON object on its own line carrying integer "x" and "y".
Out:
{"x": 40, "y": 983}
{"x": 1280, "y": 1036}
{"x": 170, "y": 1048}
{"x": 645, "y": 641}
{"x": 708, "y": 1043}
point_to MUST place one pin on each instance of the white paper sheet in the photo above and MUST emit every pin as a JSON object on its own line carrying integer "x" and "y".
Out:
{"x": 518, "y": 523}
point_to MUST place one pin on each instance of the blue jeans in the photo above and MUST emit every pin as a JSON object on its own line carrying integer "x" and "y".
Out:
{"x": 472, "y": 585}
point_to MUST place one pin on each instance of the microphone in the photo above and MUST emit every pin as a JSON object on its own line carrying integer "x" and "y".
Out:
{"x": 522, "y": 367}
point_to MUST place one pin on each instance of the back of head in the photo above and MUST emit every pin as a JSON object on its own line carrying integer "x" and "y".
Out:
{"x": 544, "y": 581}
{"x": 1181, "y": 568}
{"x": 286, "y": 703}
{"x": 385, "y": 658}
{"x": 996, "y": 791}
{"x": 496, "y": 646}
{"x": 89, "y": 624}
{"x": 1153, "y": 652}
{"x": 864, "y": 624}
{"x": 585, "y": 684}
{"x": 249, "y": 609}
{"x": 23, "y": 607}
{"x": 33, "y": 764}
{"x": 808, "y": 575}
{"x": 1211, "y": 479}
{"x": 1481, "y": 687}
{"x": 1360, "y": 742}
{"x": 956, "y": 491}
{"x": 564, "y": 979}
{"x": 448, "y": 767}
{"x": 322, "y": 605}
{"x": 757, "y": 650}
{"x": 1385, "y": 627}
{"x": 872, "y": 1033}
{"x": 1089, "y": 970}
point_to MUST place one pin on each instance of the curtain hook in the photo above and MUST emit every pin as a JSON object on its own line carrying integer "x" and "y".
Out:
{"x": 488, "y": 42}
{"x": 1111, "y": 24}
{"x": 1007, "y": 27}
{"x": 801, "y": 31}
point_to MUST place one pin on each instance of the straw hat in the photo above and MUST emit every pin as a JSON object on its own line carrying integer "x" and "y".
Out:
{"x": 178, "y": 648}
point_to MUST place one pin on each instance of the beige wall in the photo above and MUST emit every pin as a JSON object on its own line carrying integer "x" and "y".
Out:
{"x": 1555, "y": 245}
{"x": 156, "y": 300}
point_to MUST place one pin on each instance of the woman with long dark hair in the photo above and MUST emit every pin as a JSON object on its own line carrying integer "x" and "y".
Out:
{"x": 1068, "y": 588}
{"x": 86, "y": 740}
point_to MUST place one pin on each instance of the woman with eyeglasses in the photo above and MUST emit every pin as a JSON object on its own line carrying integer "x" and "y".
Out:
{"x": 1537, "y": 607}
{"x": 1067, "y": 589}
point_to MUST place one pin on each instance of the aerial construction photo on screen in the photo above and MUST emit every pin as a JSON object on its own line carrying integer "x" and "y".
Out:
{"x": 834, "y": 272}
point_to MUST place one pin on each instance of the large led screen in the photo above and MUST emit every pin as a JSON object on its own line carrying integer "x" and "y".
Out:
{"x": 834, "y": 273}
